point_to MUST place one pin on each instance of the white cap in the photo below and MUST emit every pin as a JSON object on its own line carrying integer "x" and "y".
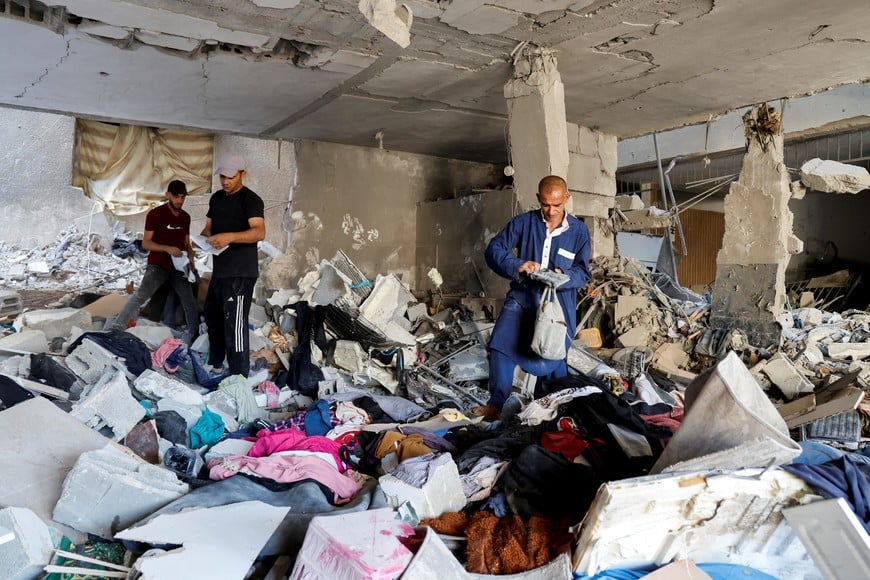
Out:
{"x": 230, "y": 164}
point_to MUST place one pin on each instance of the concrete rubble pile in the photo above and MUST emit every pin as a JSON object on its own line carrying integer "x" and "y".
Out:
{"x": 80, "y": 258}
{"x": 350, "y": 451}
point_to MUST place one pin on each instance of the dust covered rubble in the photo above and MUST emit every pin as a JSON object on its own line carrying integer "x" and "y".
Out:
{"x": 76, "y": 261}
{"x": 345, "y": 359}
{"x": 175, "y": 419}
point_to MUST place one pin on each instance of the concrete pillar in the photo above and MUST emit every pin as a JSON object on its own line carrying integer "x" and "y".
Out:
{"x": 543, "y": 143}
{"x": 536, "y": 118}
{"x": 592, "y": 182}
{"x": 749, "y": 292}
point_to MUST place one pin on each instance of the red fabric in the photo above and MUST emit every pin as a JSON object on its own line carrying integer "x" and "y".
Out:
{"x": 671, "y": 420}
{"x": 564, "y": 442}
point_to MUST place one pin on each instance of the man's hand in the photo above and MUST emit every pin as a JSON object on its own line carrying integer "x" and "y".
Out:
{"x": 173, "y": 251}
{"x": 220, "y": 241}
{"x": 529, "y": 268}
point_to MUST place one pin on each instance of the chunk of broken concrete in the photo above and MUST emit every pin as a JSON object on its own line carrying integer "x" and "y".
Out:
{"x": 91, "y": 362}
{"x": 34, "y": 462}
{"x": 109, "y": 402}
{"x": 10, "y": 303}
{"x": 729, "y": 424}
{"x": 782, "y": 373}
{"x": 31, "y": 548}
{"x": 809, "y": 316}
{"x": 56, "y": 322}
{"x": 25, "y": 341}
{"x": 152, "y": 335}
{"x": 846, "y": 350}
{"x": 637, "y": 336}
{"x": 393, "y": 20}
{"x": 216, "y": 542}
{"x": 109, "y": 490}
{"x": 669, "y": 360}
{"x": 834, "y": 177}
{"x": 385, "y": 305}
{"x": 156, "y": 386}
{"x": 350, "y": 356}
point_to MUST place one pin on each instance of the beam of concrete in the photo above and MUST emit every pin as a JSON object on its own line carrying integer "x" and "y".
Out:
{"x": 389, "y": 57}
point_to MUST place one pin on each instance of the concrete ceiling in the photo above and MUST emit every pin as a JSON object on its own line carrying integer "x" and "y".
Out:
{"x": 321, "y": 70}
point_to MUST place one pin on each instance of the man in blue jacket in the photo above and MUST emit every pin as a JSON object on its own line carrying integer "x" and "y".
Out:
{"x": 543, "y": 238}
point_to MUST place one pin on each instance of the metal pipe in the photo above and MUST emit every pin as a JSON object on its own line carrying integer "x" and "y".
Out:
{"x": 664, "y": 198}
{"x": 674, "y": 205}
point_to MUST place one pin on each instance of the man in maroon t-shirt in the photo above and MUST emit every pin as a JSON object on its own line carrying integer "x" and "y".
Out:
{"x": 167, "y": 235}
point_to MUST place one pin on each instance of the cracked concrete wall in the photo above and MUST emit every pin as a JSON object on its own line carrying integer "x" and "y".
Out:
{"x": 592, "y": 182}
{"x": 452, "y": 235}
{"x": 38, "y": 200}
{"x": 365, "y": 201}
{"x": 749, "y": 293}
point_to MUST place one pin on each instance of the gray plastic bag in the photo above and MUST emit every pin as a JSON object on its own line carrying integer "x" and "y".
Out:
{"x": 550, "y": 327}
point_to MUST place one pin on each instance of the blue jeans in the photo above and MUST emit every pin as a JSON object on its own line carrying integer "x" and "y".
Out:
{"x": 154, "y": 278}
{"x": 501, "y": 374}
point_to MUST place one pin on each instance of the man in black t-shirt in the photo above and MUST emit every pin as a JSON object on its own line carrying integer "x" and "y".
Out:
{"x": 167, "y": 236}
{"x": 234, "y": 224}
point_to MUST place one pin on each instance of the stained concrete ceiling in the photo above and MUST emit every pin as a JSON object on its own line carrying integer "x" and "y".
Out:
{"x": 321, "y": 70}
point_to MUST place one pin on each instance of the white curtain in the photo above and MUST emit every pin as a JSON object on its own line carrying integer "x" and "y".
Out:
{"x": 127, "y": 168}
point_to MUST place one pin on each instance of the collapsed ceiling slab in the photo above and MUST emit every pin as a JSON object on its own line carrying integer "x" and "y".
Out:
{"x": 273, "y": 68}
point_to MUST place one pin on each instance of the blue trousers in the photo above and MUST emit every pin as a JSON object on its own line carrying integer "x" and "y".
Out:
{"x": 501, "y": 374}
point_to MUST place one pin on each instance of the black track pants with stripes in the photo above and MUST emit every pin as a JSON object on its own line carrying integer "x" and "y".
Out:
{"x": 227, "y": 305}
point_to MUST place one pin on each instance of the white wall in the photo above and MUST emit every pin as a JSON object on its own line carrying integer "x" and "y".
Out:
{"x": 36, "y": 167}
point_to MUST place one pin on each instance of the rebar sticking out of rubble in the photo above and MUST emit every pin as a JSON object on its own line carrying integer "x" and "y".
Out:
{"x": 461, "y": 389}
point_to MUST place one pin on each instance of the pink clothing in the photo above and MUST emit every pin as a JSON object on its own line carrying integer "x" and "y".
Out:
{"x": 269, "y": 442}
{"x": 671, "y": 420}
{"x": 286, "y": 469}
{"x": 166, "y": 348}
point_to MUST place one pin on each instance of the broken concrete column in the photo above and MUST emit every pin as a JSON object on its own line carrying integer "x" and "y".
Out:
{"x": 536, "y": 120}
{"x": 749, "y": 293}
{"x": 108, "y": 490}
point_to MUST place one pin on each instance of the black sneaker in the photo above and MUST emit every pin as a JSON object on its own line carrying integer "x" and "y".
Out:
{"x": 258, "y": 425}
